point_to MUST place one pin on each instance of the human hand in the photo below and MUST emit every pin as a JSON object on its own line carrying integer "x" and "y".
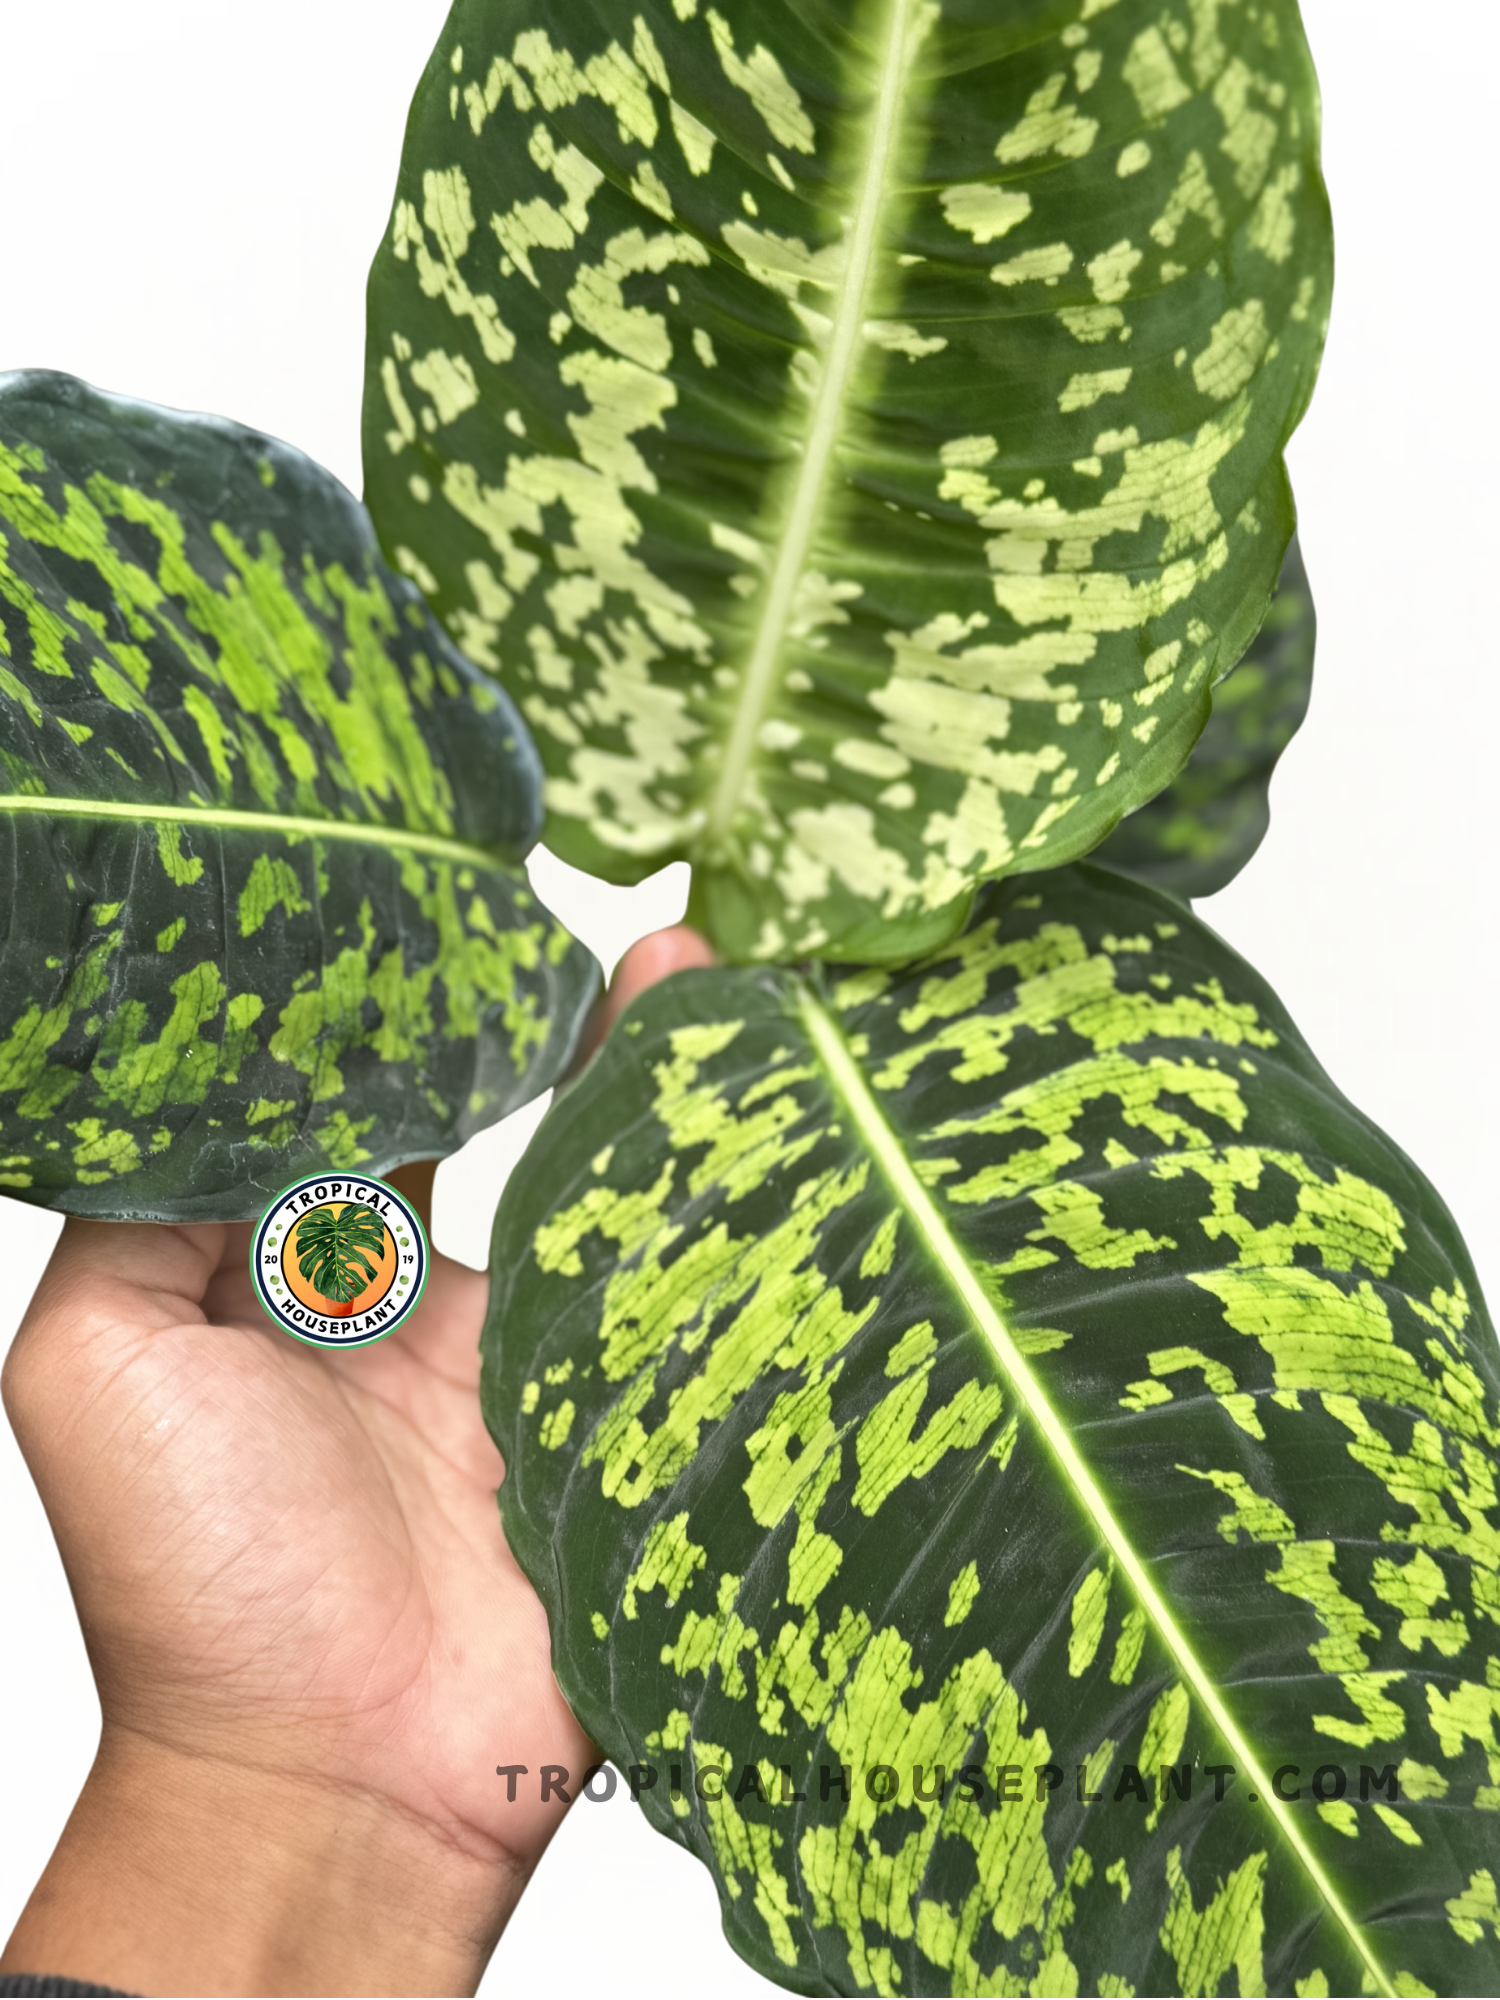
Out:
{"x": 311, "y": 1643}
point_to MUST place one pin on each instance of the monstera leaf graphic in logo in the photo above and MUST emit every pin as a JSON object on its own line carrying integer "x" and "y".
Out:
{"x": 852, "y": 430}
{"x": 334, "y": 1247}
{"x": 262, "y": 830}
{"x": 1016, "y": 1453}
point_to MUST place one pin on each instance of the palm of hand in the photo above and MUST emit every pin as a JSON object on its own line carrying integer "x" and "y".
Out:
{"x": 300, "y": 1609}
{"x": 287, "y": 1556}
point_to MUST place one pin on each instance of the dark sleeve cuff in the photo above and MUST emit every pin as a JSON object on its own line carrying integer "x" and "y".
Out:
{"x": 23, "y": 1985}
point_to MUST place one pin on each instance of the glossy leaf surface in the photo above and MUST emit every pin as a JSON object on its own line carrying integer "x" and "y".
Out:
{"x": 260, "y": 830}
{"x": 852, "y": 431}
{"x": 1197, "y": 835}
{"x": 1026, "y": 1360}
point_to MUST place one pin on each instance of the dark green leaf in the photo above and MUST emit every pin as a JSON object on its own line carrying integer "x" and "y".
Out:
{"x": 854, "y": 433}
{"x": 260, "y": 830}
{"x": 1024, "y": 1359}
{"x": 1197, "y": 835}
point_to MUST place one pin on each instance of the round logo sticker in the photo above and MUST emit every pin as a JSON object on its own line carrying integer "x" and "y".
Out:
{"x": 339, "y": 1262}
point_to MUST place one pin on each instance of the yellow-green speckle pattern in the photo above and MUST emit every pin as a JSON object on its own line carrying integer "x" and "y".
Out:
{"x": 262, "y": 830}
{"x": 852, "y": 430}
{"x": 1022, "y": 1367}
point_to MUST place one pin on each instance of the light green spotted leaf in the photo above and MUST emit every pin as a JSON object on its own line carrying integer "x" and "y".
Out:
{"x": 1197, "y": 835}
{"x": 261, "y": 830}
{"x": 852, "y": 430}
{"x": 1022, "y": 1386}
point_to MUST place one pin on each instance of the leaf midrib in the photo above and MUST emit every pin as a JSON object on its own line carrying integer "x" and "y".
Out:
{"x": 294, "y": 825}
{"x": 849, "y": 1086}
{"x": 804, "y": 514}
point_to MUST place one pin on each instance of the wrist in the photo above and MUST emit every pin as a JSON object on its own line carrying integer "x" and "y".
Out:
{"x": 185, "y": 1874}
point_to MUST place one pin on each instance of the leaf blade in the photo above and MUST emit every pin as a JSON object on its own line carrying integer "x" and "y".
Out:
{"x": 972, "y": 575}
{"x": 1197, "y": 835}
{"x": 262, "y": 828}
{"x": 785, "y": 1447}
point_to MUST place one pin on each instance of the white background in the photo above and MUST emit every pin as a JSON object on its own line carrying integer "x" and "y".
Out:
{"x": 193, "y": 192}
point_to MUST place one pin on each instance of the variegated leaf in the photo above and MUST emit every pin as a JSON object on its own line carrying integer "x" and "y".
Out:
{"x": 262, "y": 829}
{"x": 852, "y": 431}
{"x": 1197, "y": 835}
{"x": 1025, "y": 1361}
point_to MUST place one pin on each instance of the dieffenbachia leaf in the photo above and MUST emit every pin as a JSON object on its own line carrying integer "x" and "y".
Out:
{"x": 1197, "y": 835}
{"x": 262, "y": 830}
{"x": 852, "y": 432}
{"x": 1026, "y": 1359}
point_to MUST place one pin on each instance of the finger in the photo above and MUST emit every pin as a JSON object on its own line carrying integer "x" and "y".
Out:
{"x": 148, "y": 1274}
{"x": 108, "y": 1286}
{"x": 230, "y": 1296}
{"x": 656, "y": 956}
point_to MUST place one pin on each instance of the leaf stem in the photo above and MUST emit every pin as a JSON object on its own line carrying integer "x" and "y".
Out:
{"x": 293, "y": 825}
{"x": 805, "y": 511}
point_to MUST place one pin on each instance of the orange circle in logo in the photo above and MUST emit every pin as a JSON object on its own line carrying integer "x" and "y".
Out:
{"x": 385, "y": 1267}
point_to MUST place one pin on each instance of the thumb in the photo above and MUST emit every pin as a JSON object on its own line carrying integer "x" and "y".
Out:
{"x": 104, "y": 1279}
{"x": 147, "y": 1274}
{"x": 655, "y": 956}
